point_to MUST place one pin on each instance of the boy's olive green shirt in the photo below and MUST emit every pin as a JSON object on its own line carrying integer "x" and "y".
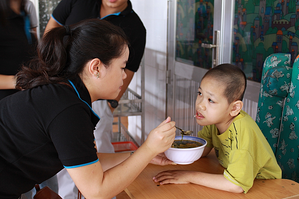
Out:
{"x": 243, "y": 150}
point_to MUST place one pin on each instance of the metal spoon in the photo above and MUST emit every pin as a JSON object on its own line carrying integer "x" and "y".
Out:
{"x": 183, "y": 132}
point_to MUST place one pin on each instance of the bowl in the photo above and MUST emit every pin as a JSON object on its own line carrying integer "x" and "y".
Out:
{"x": 186, "y": 155}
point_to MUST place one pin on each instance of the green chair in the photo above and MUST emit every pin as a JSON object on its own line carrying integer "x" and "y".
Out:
{"x": 278, "y": 107}
{"x": 287, "y": 154}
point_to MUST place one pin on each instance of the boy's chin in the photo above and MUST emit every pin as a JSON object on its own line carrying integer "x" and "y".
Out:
{"x": 203, "y": 123}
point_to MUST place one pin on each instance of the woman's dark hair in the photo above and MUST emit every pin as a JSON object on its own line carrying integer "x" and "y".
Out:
{"x": 5, "y": 9}
{"x": 64, "y": 51}
{"x": 231, "y": 76}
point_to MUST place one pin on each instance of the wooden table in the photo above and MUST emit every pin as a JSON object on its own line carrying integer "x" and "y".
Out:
{"x": 145, "y": 188}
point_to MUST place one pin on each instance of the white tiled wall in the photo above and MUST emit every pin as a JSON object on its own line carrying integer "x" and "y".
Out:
{"x": 153, "y": 13}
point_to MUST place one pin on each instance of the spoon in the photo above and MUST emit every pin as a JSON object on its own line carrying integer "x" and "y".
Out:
{"x": 183, "y": 132}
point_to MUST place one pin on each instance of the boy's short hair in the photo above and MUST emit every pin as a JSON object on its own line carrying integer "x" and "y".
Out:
{"x": 234, "y": 79}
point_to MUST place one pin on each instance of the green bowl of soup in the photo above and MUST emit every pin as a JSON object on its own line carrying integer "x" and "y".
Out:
{"x": 186, "y": 150}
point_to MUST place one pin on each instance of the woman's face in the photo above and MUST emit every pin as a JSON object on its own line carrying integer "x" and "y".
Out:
{"x": 114, "y": 76}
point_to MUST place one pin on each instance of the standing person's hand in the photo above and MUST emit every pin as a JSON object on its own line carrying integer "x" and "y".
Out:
{"x": 161, "y": 138}
{"x": 7, "y": 82}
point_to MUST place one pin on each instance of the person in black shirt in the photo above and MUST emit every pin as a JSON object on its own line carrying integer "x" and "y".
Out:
{"x": 49, "y": 124}
{"x": 121, "y": 14}
{"x": 17, "y": 44}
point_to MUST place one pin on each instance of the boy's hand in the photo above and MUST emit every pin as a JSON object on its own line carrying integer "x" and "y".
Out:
{"x": 173, "y": 177}
{"x": 161, "y": 159}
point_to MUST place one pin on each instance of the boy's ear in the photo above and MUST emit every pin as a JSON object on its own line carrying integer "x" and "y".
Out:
{"x": 236, "y": 108}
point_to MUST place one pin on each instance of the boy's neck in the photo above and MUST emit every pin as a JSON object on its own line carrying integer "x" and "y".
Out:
{"x": 222, "y": 127}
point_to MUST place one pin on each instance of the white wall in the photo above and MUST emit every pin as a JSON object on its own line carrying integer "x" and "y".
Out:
{"x": 153, "y": 13}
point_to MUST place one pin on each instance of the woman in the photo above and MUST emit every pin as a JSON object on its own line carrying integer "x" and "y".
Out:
{"x": 121, "y": 14}
{"x": 17, "y": 44}
{"x": 49, "y": 125}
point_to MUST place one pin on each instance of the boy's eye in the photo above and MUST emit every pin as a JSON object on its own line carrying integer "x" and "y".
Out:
{"x": 211, "y": 101}
{"x": 199, "y": 93}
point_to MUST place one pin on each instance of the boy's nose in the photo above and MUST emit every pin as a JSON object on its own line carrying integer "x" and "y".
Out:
{"x": 201, "y": 105}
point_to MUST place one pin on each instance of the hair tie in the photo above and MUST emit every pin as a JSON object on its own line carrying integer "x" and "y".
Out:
{"x": 67, "y": 30}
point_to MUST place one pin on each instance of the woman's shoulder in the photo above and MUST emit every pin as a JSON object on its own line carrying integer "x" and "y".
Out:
{"x": 62, "y": 93}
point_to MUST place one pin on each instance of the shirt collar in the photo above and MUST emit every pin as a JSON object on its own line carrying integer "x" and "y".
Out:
{"x": 84, "y": 95}
{"x": 82, "y": 90}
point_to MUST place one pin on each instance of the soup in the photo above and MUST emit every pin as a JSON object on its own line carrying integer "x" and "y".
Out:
{"x": 185, "y": 144}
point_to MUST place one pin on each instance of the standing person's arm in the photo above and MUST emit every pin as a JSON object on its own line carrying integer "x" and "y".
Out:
{"x": 7, "y": 82}
{"x": 51, "y": 24}
{"x": 126, "y": 82}
{"x": 61, "y": 13}
{"x": 30, "y": 9}
{"x": 137, "y": 47}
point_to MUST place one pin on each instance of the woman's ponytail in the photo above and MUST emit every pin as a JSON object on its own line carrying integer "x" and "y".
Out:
{"x": 50, "y": 62}
{"x": 64, "y": 51}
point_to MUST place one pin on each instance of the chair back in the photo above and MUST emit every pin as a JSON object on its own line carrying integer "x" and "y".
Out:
{"x": 278, "y": 111}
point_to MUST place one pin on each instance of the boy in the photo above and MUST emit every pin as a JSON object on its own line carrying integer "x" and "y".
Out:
{"x": 240, "y": 146}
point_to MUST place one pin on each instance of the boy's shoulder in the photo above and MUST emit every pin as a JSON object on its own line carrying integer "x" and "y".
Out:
{"x": 243, "y": 118}
{"x": 244, "y": 125}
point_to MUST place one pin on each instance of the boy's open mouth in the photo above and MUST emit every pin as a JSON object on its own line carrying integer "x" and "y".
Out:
{"x": 199, "y": 115}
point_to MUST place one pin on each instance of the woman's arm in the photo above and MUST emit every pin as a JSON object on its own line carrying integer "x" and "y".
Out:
{"x": 93, "y": 182}
{"x": 98, "y": 181}
{"x": 7, "y": 82}
{"x": 109, "y": 160}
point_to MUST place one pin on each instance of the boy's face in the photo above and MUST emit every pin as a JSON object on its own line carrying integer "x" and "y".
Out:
{"x": 212, "y": 106}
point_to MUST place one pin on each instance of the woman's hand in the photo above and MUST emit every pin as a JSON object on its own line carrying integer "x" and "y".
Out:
{"x": 161, "y": 138}
{"x": 161, "y": 159}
